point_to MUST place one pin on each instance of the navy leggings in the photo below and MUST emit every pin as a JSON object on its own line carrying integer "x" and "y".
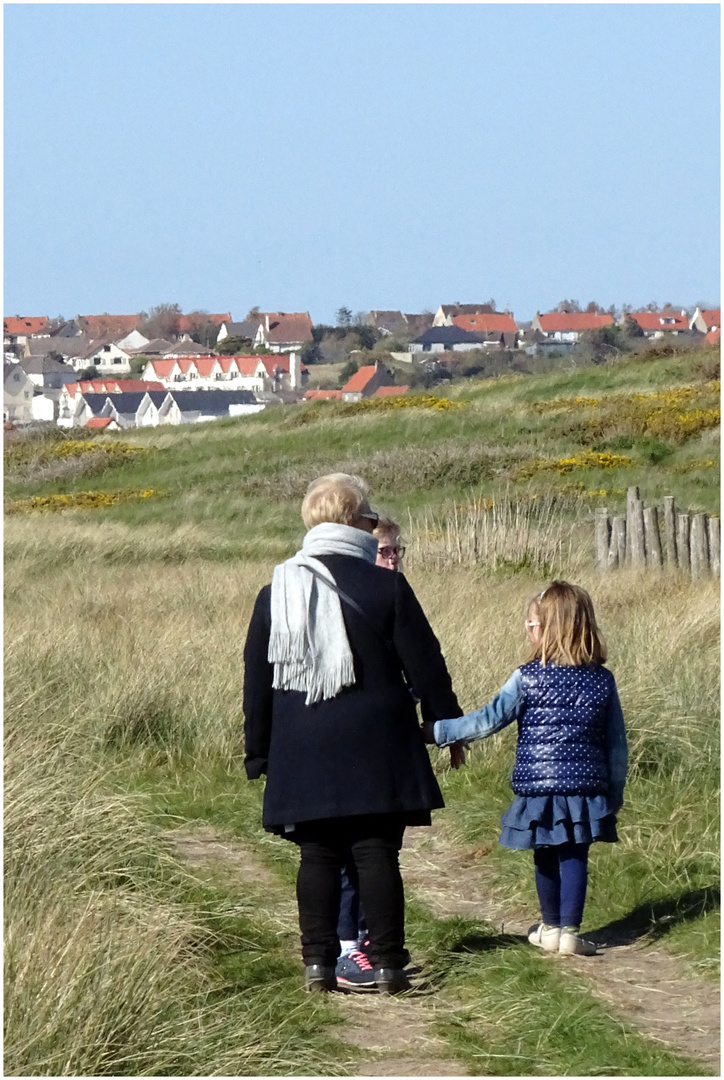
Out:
{"x": 561, "y": 877}
{"x": 352, "y": 923}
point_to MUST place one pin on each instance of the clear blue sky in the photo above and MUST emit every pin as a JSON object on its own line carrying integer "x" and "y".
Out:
{"x": 304, "y": 157}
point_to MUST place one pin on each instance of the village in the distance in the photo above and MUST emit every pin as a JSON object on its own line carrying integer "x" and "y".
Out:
{"x": 165, "y": 367}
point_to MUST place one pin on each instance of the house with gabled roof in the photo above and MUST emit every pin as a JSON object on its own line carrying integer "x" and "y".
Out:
{"x": 17, "y": 394}
{"x": 706, "y": 320}
{"x": 495, "y": 328}
{"x": 47, "y": 371}
{"x": 443, "y": 338}
{"x": 72, "y": 392}
{"x": 103, "y": 423}
{"x": 365, "y": 381}
{"x": 109, "y": 327}
{"x": 244, "y": 331}
{"x": 446, "y": 312}
{"x": 199, "y": 406}
{"x": 657, "y": 323}
{"x": 283, "y": 332}
{"x": 568, "y": 326}
{"x": 18, "y": 328}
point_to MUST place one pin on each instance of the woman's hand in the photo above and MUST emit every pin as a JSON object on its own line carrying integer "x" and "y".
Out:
{"x": 457, "y": 754}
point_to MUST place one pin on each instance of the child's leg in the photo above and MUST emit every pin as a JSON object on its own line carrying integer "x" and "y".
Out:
{"x": 548, "y": 884}
{"x": 573, "y": 879}
{"x": 348, "y": 908}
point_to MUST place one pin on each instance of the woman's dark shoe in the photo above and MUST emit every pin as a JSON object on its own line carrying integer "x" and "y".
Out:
{"x": 391, "y": 980}
{"x": 320, "y": 977}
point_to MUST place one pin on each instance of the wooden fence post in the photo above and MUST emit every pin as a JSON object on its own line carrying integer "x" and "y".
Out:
{"x": 653, "y": 539}
{"x": 638, "y": 545}
{"x": 617, "y": 551}
{"x": 714, "y": 550}
{"x": 699, "y": 546}
{"x": 631, "y": 497}
{"x": 682, "y": 540}
{"x": 670, "y": 530}
{"x": 602, "y": 534}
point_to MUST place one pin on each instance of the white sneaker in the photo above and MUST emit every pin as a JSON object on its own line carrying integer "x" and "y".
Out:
{"x": 545, "y": 937}
{"x": 572, "y": 944}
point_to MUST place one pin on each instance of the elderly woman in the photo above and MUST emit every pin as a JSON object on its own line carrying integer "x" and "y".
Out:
{"x": 332, "y": 645}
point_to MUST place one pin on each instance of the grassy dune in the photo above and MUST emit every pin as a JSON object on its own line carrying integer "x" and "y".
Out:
{"x": 124, "y": 634}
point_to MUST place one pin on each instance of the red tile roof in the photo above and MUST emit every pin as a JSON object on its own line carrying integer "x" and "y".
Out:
{"x": 25, "y": 324}
{"x": 187, "y": 323}
{"x": 112, "y": 386}
{"x": 486, "y": 324}
{"x": 390, "y": 391}
{"x": 100, "y": 421}
{"x": 360, "y": 378}
{"x": 322, "y": 395}
{"x": 712, "y": 316}
{"x": 104, "y": 325}
{"x": 714, "y": 336}
{"x": 278, "y": 360}
{"x": 247, "y": 365}
{"x": 652, "y": 320}
{"x": 572, "y": 321}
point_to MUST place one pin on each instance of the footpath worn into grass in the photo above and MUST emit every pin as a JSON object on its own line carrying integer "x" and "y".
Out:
{"x": 653, "y": 1019}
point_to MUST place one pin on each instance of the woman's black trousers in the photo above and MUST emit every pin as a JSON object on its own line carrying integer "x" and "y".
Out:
{"x": 373, "y": 842}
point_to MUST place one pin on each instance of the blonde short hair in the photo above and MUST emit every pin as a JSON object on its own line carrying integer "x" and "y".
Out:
{"x": 386, "y": 527}
{"x": 338, "y": 498}
{"x": 569, "y": 633}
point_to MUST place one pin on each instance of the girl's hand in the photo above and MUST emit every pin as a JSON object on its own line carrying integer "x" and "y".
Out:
{"x": 457, "y": 754}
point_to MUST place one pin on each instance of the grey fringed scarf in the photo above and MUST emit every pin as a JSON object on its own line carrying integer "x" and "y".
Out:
{"x": 308, "y": 642}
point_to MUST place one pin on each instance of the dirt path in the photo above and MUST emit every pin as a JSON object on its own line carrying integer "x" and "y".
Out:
{"x": 644, "y": 985}
{"x": 396, "y": 1035}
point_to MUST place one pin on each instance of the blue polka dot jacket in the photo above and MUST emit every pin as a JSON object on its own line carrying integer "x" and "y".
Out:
{"x": 571, "y": 734}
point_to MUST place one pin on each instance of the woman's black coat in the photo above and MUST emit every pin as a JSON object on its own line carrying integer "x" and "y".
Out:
{"x": 362, "y": 751}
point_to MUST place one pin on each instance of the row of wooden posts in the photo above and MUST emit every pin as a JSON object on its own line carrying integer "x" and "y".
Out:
{"x": 691, "y": 541}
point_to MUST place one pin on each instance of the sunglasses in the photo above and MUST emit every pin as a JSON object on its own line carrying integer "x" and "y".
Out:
{"x": 388, "y": 552}
{"x": 371, "y": 515}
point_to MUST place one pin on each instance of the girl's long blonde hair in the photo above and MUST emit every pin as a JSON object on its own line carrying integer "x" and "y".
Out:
{"x": 569, "y": 633}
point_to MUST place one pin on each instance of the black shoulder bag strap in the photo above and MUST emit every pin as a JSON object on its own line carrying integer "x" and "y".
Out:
{"x": 353, "y": 604}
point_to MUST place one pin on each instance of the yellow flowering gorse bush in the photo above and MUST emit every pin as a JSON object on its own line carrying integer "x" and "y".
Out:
{"x": 587, "y": 459}
{"x": 79, "y": 500}
{"x": 406, "y": 401}
{"x": 676, "y": 414}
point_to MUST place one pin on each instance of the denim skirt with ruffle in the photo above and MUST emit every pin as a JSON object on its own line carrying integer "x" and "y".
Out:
{"x": 533, "y": 821}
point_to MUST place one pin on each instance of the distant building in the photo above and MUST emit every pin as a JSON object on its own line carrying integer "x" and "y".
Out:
{"x": 657, "y": 323}
{"x": 366, "y": 381}
{"x": 707, "y": 320}
{"x": 283, "y": 332}
{"x": 568, "y": 326}
{"x": 17, "y": 394}
{"x": 442, "y": 338}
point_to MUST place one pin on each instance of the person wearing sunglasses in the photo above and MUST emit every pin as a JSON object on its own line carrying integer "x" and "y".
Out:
{"x": 390, "y": 551}
{"x": 333, "y": 644}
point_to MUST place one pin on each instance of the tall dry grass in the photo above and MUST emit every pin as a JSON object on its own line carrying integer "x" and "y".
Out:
{"x": 125, "y": 646}
{"x": 509, "y": 531}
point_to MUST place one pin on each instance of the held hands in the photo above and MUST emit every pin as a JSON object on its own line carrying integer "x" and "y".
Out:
{"x": 457, "y": 754}
{"x": 457, "y": 749}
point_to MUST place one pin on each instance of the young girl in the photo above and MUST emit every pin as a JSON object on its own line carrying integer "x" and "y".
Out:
{"x": 571, "y": 757}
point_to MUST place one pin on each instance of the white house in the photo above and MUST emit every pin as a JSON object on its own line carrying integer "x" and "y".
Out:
{"x": 108, "y": 357}
{"x": 17, "y": 394}
{"x": 706, "y": 320}
{"x": 568, "y": 326}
